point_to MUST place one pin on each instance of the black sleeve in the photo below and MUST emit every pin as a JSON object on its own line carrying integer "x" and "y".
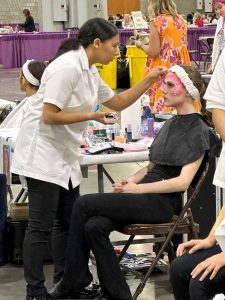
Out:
{"x": 29, "y": 20}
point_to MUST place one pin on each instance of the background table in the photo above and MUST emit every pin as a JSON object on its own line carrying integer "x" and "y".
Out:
{"x": 16, "y": 48}
{"x": 195, "y": 33}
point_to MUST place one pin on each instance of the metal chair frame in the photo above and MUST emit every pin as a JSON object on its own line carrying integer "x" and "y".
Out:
{"x": 207, "y": 47}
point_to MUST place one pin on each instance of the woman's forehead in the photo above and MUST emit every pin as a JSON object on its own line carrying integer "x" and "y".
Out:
{"x": 172, "y": 76}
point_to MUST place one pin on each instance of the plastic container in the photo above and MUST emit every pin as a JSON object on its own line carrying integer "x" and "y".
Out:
{"x": 129, "y": 133}
{"x": 137, "y": 61}
{"x": 109, "y": 72}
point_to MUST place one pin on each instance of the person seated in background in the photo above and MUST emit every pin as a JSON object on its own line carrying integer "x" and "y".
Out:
{"x": 219, "y": 39}
{"x": 29, "y": 80}
{"x": 127, "y": 21}
{"x": 152, "y": 195}
{"x": 189, "y": 19}
{"x": 199, "y": 270}
{"x": 198, "y": 19}
{"x": 205, "y": 19}
{"x": 29, "y": 25}
{"x": 118, "y": 17}
{"x": 214, "y": 20}
{"x": 111, "y": 19}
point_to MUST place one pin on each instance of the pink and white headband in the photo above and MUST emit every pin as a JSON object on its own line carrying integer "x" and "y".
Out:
{"x": 27, "y": 74}
{"x": 187, "y": 82}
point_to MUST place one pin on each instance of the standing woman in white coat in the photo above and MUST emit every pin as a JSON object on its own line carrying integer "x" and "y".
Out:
{"x": 47, "y": 148}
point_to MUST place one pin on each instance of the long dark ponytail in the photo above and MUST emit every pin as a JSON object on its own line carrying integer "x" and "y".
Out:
{"x": 89, "y": 31}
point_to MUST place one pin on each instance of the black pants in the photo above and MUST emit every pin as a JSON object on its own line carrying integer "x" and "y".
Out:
{"x": 50, "y": 208}
{"x": 186, "y": 288}
{"x": 94, "y": 216}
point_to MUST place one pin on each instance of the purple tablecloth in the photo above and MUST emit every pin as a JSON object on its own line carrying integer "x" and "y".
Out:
{"x": 41, "y": 46}
{"x": 195, "y": 32}
{"x": 8, "y": 51}
{"x": 126, "y": 33}
{"x": 16, "y": 48}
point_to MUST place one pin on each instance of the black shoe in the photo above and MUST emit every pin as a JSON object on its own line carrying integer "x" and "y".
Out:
{"x": 46, "y": 297}
{"x": 60, "y": 291}
{"x": 86, "y": 294}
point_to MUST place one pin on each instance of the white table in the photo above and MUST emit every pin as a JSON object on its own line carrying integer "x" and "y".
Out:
{"x": 8, "y": 137}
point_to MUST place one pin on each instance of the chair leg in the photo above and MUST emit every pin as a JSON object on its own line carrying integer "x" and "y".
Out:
{"x": 194, "y": 232}
{"x": 195, "y": 61}
{"x": 152, "y": 267}
{"x": 129, "y": 241}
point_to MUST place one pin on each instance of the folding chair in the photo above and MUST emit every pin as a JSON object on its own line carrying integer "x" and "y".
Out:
{"x": 194, "y": 56}
{"x": 180, "y": 224}
{"x": 207, "y": 47}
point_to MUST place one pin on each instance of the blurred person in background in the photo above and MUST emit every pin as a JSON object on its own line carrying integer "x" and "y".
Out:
{"x": 29, "y": 80}
{"x": 189, "y": 19}
{"x": 198, "y": 19}
{"x": 212, "y": 19}
{"x": 167, "y": 45}
{"x": 219, "y": 40}
{"x": 28, "y": 26}
{"x": 127, "y": 21}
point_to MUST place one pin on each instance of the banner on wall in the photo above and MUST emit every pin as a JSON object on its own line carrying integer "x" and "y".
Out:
{"x": 199, "y": 4}
{"x": 208, "y": 6}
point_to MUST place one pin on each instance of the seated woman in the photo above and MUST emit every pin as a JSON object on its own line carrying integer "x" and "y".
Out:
{"x": 199, "y": 270}
{"x": 29, "y": 80}
{"x": 151, "y": 195}
{"x": 127, "y": 21}
{"x": 198, "y": 19}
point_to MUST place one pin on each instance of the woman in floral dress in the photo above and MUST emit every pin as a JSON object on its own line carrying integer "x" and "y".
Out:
{"x": 167, "y": 45}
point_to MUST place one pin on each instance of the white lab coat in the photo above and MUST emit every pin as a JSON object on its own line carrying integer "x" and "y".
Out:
{"x": 51, "y": 152}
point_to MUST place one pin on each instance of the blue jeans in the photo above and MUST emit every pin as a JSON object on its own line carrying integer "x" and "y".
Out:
{"x": 50, "y": 208}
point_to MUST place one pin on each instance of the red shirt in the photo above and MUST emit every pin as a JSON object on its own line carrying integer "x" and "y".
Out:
{"x": 199, "y": 23}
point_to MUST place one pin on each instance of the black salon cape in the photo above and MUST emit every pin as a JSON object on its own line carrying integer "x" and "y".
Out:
{"x": 184, "y": 139}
